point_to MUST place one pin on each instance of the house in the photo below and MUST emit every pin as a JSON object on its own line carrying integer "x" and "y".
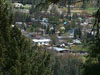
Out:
{"x": 21, "y": 25}
{"x": 71, "y": 33}
{"x": 61, "y": 39}
{"x": 33, "y": 19}
{"x": 40, "y": 31}
{"x": 17, "y": 5}
{"x": 76, "y": 41}
{"x": 45, "y": 20}
{"x": 65, "y": 23}
{"x": 41, "y": 42}
{"x": 60, "y": 50}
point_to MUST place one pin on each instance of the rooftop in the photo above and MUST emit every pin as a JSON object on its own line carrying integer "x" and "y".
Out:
{"x": 41, "y": 40}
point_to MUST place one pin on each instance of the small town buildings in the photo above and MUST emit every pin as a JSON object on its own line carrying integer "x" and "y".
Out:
{"x": 41, "y": 42}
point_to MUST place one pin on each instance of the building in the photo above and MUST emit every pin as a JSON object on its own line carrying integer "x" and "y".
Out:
{"x": 59, "y": 50}
{"x": 41, "y": 42}
{"x": 76, "y": 41}
{"x": 17, "y": 5}
{"x": 61, "y": 39}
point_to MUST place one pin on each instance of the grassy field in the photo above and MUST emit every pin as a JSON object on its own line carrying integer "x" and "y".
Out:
{"x": 91, "y": 10}
{"x": 88, "y": 10}
{"x": 78, "y": 48}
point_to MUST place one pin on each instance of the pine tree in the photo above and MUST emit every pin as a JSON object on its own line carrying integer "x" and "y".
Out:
{"x": 92, "y": 66}
{"x": 16, "y": 52}
{"x": 4, "y": 34}
{"x": 41, "y": 63}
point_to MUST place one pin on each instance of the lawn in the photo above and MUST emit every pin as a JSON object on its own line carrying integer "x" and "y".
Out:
{"x": 91, "y": 10}
{"x": 78, "y": 48}
{"x": 88, "y": 10}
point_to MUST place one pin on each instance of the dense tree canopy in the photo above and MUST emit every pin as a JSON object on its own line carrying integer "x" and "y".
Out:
{"x": 17, "y": 55}
{"x": 92, "y": 66}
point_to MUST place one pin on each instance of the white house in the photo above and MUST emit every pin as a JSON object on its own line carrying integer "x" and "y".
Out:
{"x": 41, "y": 42}
{"x": 19, "y": 23}
{"x": 76, "y": 41}
{"x": 58, "y": 49}
{"x": 17, "y": 5}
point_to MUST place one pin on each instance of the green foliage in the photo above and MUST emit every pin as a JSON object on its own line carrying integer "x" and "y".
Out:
{"x": 67, "y": 64}
{"x": 77, "y": 33}
{"x": 38, "y": 5}
{"x": 42, "y": 65}
{"x": 17, "y": 55}
{"x": 53, "y": 38}
{"x": 92, "y": 65}
{"x": 54, "y": 20}
{"x": 19, "y": 16}
{"x": 36, "y": 1}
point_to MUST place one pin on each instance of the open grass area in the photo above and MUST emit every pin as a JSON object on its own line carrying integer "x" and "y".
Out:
{"x": 78, "y": 48}
{"x": 88, "y": 10}
{"x": 91, "y": 10}
{"x": 76, "y": 11}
